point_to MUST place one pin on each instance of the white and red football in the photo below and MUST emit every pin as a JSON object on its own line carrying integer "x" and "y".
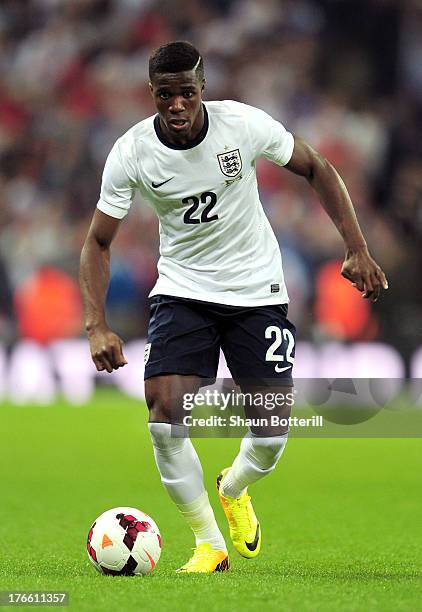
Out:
{"x": 124, "y": 542}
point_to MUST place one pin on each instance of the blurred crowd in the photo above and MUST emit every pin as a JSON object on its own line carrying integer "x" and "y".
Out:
{"x": 344, "y": 75}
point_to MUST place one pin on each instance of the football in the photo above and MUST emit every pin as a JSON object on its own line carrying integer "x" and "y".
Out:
{"x": 124, "y": 542}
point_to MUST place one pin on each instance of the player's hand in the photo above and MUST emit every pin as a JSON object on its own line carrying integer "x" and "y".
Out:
{"x": 106, "y": 349}
{"x": 364, "y": 274}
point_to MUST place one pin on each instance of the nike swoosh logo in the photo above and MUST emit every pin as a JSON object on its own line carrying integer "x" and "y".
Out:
{"x": 252, "y": 545}
{"x": 279, "y": 370}
{"x": 156, "y": 185}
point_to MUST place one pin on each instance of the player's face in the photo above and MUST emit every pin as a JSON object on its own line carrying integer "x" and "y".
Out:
{"x": 178, "y": 99}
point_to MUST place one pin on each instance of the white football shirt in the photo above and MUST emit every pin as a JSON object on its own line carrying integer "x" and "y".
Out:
{"x": 216, "y": 243}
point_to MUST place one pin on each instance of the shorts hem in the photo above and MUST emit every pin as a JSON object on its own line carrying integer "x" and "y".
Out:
{"x": 177, "y": 371}
{"x": 264, "y": 382}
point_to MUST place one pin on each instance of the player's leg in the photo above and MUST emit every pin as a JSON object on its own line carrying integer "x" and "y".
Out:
{"x": 174, "y": 336}
{"x": 180, "y": 468}
{"x": 260, "y": 451}
{"x": 256, "y": 364}
{"x": 262, "y": 447}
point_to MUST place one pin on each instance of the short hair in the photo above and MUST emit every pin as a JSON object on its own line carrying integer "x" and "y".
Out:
{"x": 178, "y": 56}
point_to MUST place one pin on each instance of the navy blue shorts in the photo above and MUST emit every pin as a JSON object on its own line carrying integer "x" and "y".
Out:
{"x": 185, "y": 337}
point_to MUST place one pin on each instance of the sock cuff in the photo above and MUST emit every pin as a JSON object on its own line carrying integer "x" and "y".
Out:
{"x": 155, "y": 426}
{"x": 271, "y": 442}
{"x": 172, "y": 430}
{"x": 166, "y": 436}
{"x": 255, "y": 437}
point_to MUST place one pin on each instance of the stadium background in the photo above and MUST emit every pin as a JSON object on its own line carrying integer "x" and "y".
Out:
{"x": 347, "y": 77}
{"x": 344, "y": 75}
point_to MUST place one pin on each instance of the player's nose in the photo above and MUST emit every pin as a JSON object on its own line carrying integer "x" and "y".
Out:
{"x": 177, "y": 105}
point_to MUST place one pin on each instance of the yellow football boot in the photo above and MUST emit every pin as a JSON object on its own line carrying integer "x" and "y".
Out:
{"x": 206, "y": 560}
{"x": 245, "y": 531}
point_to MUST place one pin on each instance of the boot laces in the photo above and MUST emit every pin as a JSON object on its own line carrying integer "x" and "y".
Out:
{"x": 241, "y": 515}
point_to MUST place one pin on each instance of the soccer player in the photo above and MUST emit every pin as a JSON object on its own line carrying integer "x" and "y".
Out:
{"x": 220, "y": 279}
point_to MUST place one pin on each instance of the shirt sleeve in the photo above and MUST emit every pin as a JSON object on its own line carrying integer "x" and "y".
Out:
{"x": 269, "y": 137}
{"x": 117, "y": 186}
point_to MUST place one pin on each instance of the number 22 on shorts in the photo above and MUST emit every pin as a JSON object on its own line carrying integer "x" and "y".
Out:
{"x": 279, "y": 335}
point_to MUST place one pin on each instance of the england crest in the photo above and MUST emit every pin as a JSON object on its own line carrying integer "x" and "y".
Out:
{"x": 230, "y": 163}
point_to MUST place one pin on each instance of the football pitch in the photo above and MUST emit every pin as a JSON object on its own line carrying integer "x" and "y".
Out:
{"x": 341, "y": 519}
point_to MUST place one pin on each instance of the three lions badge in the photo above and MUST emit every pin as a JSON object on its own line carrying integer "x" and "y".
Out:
{"x": 230, "y": 163}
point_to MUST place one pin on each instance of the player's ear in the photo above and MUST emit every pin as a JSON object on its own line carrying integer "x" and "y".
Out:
{"x": 203, "y": 85}
{"x": 151, "y": 89}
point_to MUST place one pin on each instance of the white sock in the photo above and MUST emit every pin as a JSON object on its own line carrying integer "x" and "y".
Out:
{"x": 181, "y": 474}
{"x": 200, "y": 518}
{"x": 257, "y": 458}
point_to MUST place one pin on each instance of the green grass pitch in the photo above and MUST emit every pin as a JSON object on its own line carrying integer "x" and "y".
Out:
{"x": 341, "y": 519}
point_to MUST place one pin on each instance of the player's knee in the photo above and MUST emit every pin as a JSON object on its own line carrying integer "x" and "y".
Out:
{"x": 267, "y": 451}
{"x": 160, "y": 404}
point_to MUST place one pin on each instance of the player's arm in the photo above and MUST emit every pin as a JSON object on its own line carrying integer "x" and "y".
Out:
{"x": 106, "y": 346}
{"x": 358, "y": 266}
